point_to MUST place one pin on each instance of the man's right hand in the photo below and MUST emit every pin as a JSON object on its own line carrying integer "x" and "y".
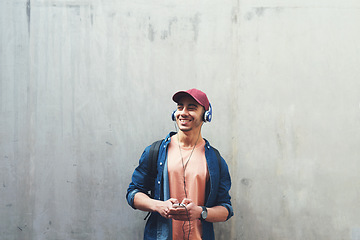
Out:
{"x": 163, "y": 207}
{"x": 144, "y": 203}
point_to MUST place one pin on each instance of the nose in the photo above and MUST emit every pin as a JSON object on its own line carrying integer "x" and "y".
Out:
{"x": 183, "y": 111}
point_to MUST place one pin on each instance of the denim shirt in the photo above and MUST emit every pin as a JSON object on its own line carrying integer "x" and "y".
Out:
{"x": 217, "y": 190}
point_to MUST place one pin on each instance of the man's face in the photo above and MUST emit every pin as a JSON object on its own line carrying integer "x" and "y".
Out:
{"x": 189, "y": 114}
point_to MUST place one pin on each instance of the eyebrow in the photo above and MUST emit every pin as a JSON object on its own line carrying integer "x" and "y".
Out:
{"x": 193, "y": 105}
{"x": 190, "y": 105}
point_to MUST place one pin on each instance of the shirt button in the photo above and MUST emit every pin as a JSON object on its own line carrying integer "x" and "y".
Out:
{"x": 160, "y": 163}
{"x": 158, "y": 182}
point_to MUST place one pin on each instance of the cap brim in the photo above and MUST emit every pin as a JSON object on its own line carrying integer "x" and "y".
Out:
{"x": 177, "y": 96}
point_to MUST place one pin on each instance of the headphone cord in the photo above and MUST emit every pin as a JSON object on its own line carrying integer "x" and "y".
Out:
{"x": 183, "y": 226}
{"x": 184, "y": 168}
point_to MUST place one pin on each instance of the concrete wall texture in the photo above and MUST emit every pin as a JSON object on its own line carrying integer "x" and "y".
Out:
{"x": 86, "y": 85}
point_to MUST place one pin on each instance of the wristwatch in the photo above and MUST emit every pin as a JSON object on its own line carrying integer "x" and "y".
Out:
{"x": 204, "y": 213}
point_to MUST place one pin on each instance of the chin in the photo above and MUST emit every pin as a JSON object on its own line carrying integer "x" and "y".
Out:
{"x": 185, "y": 129}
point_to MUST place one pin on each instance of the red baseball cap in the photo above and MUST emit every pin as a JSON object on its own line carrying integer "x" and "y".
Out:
{"x": 196, "y": 94}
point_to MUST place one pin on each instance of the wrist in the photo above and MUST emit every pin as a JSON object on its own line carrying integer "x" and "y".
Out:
{"x": 199, "y": 212}
{"x": 156, "y": 206}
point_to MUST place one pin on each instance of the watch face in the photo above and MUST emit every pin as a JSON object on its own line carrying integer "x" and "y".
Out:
{"x": 204, "y": 214}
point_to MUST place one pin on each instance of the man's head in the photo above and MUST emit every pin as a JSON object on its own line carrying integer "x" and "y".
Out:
{"x": 196, "y": 94}
{"x": 193, "y": 108}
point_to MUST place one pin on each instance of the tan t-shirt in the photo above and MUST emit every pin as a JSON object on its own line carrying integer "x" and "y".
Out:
{"x": 196, "y": 176}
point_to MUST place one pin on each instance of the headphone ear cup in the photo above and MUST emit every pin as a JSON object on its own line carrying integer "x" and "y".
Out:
{"x": 173, "y": 116}
{"x": 208, "y": 114}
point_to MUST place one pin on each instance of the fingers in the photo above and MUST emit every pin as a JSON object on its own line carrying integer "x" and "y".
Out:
{"x": 163, "y": 207}
{"x": 165, "y": 212}
{"x": 173, "y": 200}
{"x": 186, "y": 201}
{"x": 177, "y": 211}
{"x": 189, "y": 212}
{"x": 185, "y": 212}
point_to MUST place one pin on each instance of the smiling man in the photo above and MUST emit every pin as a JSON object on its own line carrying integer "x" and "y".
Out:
{"x": 192, "y": 182}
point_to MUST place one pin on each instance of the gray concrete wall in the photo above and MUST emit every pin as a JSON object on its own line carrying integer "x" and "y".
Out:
{"x": 86, "y": 84}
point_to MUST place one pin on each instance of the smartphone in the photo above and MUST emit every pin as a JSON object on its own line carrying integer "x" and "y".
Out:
{"x": 177, "y": 205}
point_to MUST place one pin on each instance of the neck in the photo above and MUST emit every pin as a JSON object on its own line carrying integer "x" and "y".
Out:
{"x": 189, "y": 139}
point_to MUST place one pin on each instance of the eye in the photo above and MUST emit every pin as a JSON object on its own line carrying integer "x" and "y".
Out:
{"x": 192, "y": 108}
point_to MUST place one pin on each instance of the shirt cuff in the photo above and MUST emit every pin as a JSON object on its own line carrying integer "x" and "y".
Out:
{"x": 229, "y": 208}
{"x": 130, "y": 197}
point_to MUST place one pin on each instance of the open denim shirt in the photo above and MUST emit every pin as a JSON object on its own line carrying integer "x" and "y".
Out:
{"x": 217, "y": 190}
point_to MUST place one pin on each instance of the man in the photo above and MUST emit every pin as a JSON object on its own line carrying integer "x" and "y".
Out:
{"x": 191, "y": 189}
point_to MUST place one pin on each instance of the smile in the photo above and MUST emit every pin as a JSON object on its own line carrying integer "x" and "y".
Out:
{"x": 184, "y": 121}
